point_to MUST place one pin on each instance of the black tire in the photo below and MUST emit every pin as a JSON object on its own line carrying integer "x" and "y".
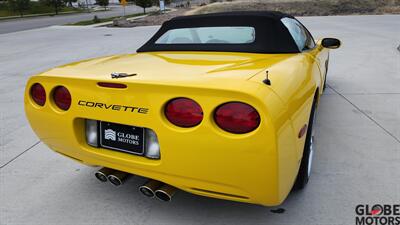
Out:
{"x": 306, "y": 162}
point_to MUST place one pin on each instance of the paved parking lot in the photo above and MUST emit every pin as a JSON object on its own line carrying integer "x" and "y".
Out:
{"x": 358, "y": 136}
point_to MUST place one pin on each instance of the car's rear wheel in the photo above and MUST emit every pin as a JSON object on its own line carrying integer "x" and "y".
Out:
{"x": 306, "y": 162}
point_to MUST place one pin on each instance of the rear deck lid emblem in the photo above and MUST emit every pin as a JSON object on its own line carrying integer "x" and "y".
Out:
{"x": 116, "y": 75}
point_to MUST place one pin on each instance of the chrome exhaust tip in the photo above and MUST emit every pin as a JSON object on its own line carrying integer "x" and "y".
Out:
{"x": 103, "y": 173}
{"x": 148, "y": 189}
{"x": 117, "y": 178}
{"x": 165, "y": 193}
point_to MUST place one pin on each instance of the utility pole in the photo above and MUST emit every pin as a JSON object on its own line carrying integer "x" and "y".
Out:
{"x": 124, "y": 3}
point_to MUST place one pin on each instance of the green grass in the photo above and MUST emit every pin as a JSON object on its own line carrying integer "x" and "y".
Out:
{"x": 101, "y": 20}
{"x": 36, "y": 8}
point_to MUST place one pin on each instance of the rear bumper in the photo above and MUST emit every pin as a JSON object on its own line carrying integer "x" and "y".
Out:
{"x": 203, "y": 160}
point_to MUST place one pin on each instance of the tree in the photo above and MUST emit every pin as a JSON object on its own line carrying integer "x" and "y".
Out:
{"x": 57, "y": 4}
{"x": 19, "y": 5}
{"x": 103, "y": 3}
{"x": 69, "y": 2}
{"x": 144, "y": 4}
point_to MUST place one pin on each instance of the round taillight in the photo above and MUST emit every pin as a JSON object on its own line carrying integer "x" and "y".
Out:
{"x": 183, "y": 112}
{"x": 38, "y": 94}
{"x": 62, "y": 97}
{"x": 237, "y": 117}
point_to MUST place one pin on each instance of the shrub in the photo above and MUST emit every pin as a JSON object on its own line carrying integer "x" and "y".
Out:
{"x": 96, "y": 19}
{"x": 144, "y": 4}
{"x": 103, "y": 3}
{"x": 19, "y": 6}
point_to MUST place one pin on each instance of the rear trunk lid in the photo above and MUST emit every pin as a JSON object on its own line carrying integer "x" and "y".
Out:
{"x": 170, "y": 67}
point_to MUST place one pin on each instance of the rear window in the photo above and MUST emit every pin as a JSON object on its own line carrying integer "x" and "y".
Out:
{"x": 209, "y": 35}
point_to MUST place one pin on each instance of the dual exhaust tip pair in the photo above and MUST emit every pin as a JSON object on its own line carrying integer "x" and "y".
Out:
{"x": 154, "y": 188}
{"x": 114, "y": 176}
{"x": 151, "y": 188}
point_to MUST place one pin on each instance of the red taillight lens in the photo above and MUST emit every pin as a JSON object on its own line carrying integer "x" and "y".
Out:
{"x": 237, "y": 117}
{"x": 183, "y": 112}
{"x": 38, "y": 94}
{"x": 62, "y": 97}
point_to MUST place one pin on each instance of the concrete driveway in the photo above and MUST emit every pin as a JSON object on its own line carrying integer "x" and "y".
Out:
{"x": 358, "y": 136}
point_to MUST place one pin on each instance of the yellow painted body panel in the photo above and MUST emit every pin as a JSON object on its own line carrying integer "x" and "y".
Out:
{"x": 258, "y": 167}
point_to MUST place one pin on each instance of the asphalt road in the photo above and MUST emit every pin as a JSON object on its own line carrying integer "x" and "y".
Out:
{"x": 14, "y": 25}
{"x": 357, "y": 159}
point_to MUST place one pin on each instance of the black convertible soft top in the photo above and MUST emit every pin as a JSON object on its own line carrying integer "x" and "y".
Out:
{"x": 272, "y": 36}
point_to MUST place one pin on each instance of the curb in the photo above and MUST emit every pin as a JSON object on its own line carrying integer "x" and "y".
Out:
{"x": 110, "y": 22}
{"x": 129, "y": 18}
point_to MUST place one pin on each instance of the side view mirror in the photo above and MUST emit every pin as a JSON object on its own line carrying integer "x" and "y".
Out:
{"x": 331, "y": 43}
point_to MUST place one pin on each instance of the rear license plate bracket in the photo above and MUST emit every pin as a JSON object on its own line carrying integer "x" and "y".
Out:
{"x": 121, "y": 137}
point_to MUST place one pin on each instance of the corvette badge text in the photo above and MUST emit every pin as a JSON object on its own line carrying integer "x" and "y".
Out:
{"x": 113, "y": 107}
{"x": 378, "y": 214}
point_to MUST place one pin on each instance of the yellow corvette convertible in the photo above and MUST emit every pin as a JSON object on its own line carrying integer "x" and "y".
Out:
{"x": 220, "y": 105}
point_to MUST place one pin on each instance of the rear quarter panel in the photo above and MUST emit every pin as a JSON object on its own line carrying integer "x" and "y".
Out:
{"x": 295, "y": 81}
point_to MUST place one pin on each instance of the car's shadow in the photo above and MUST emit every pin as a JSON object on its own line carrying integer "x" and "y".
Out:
{"x": 185, "y": 208}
